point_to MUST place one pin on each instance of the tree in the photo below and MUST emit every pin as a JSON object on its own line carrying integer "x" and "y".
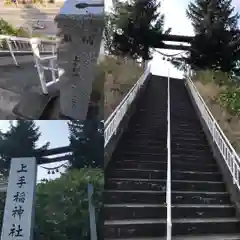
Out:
{"x": 19, "y": 141}
{"x": 134, "y": 27}
{"x": 87, "y": 143}
{"x": 216, "y": 44}
{"x": 62, "y": 205}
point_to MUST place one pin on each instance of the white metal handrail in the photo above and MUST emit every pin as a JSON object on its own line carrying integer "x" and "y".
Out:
{"x": 112, "y": 123}
{"x": 36, "y": 46}
{"x": 52, "y": 66}
{"x": 35, "y": 43}
{"x": 168, "y": 190}
{"x": 228, "y": 153}
{"x": 14, "y": 44}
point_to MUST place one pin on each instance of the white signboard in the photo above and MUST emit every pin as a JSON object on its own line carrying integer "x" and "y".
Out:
{"x": 18, "y": 220}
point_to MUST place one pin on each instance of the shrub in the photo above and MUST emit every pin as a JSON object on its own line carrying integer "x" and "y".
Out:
{"x": 8, "y": 29}
{"x": 230, "y": 99}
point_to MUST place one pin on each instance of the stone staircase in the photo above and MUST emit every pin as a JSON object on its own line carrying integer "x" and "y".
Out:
{"x": 135, "y": 180}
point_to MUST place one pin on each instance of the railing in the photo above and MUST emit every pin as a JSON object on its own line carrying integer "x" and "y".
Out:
{"x": 13, "y": 44}
{"x": 228, "y": 153}
{"x": 112, "y": 123}
{"x": 168, "y": 190}
{"x": 40, "y": 60}
{"x": 37, "y": 47}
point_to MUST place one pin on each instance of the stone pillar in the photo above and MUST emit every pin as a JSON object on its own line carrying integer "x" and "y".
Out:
{"x": 81, "y": 23}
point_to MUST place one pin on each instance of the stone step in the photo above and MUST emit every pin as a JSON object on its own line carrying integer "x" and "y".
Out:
{"x": 159, "y": 197}
{"x": 157, "y": 135}
{"x": 178, "y": 139}
{"x": 156, "y": 211}
{"x": 185, "y": 149}
{"x": 175, "y": 130}
{"x": 192, "y": 237}
{"x": 180, "y": 166}
{"x": 175, "y": 158}
{"x": 161, "y": 174}
{"x": 153, "y": 147}
{"x": 163, "y": 150}
{"x": 180, "y": 125}
{"x": 157, "y": 227}
{"x": 160, "y": 185}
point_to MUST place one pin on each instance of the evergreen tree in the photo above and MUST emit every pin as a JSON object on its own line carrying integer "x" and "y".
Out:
{"x": 19, "y": 141}
{"x": 134, "y": 27}
{"x": 217, "y": 41}
{"x": 87, "y": 142}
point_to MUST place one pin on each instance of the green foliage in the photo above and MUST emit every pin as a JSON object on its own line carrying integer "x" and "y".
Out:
{"x": 133, "y": 27}
{"x": 86, "y": 141}
{"x": 62, "y": 205}
{"x": 8, "y": 29}
{"x": 230, "y": 99}
{"x": 19, "y": 141}
{"x": 217, "y": 40}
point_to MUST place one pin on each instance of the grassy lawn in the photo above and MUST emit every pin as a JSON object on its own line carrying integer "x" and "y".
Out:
{"x": 223, "y": 100}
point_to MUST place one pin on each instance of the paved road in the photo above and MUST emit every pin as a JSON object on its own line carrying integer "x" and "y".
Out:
{"x": 27, "y": 17}
{"x": 16, "y": 81}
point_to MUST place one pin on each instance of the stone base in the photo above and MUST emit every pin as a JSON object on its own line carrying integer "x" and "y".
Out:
{"x": 33, "y": 105}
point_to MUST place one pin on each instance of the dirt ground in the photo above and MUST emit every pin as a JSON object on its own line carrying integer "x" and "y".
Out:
{"x": 229, "y": 124}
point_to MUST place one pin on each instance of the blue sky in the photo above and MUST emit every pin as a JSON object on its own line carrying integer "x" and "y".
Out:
{"x": 175, "y": 17}
{"x": 55, "y": 132}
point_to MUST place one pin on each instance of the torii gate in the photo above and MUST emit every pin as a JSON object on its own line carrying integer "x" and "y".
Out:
{"x": 157, "y": 42}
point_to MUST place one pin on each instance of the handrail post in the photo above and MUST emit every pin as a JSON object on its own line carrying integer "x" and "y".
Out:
{"x": 36, "y": 54}
{"x": 11, "y": 52}
{"x": 92, "y": 217}
{"x": 168, "y": 193}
